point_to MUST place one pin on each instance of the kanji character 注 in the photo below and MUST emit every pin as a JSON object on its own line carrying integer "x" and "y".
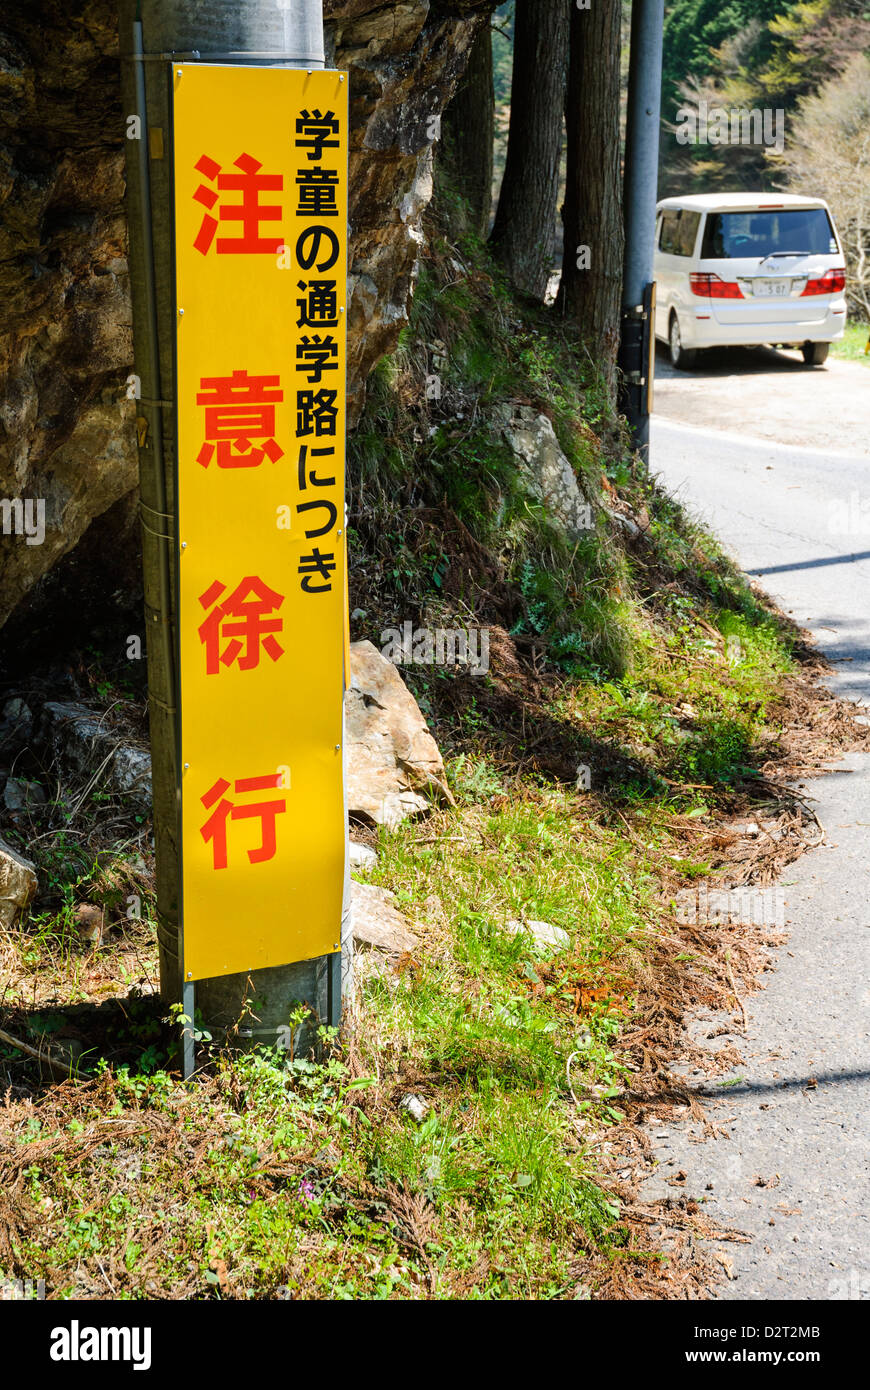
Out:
{"x": 242, "y": 617}
{"x": 250, "y": 183}
{"x": 317, "y": 190}
{"x": 316, "y": 564}
{"x": 319, "y": 307}
{"x": 316, "y": 412}
{"x": 239, "y": 408}
{"x": 215, "y": 828}
{"x": 306, "y": 477}
{"x": 331, "y": 512}
{"x": 319, "y": 126}
{"x": 314, "y": 356}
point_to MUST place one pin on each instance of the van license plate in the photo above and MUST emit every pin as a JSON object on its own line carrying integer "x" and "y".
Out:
{"x": 767, "y": 288}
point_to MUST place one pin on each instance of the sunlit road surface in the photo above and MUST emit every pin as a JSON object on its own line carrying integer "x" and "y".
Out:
{"x": 770, "y": 395}
{"x": 793, "y": 1170}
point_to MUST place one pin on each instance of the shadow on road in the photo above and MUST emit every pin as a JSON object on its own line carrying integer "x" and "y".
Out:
{"x": 814, "y": 564}
{"x": 733, "y": 361}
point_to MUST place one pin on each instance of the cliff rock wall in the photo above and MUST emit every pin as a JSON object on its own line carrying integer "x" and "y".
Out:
{"x": 66, "y": 432}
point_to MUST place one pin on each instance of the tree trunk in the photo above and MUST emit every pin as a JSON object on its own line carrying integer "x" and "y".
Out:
{"x": 469, "y": 128}
{"x": 592, "y": 213}
{"x": 525, "y": 223}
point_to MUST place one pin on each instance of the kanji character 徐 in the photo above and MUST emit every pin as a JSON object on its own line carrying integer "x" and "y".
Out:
{"x": 319, "y": 307}
{"x": 249, "y": 211}
{"x": 239, "y": 409}
{"x": 316, "y": 412}
{"x": 317, "y": 190}
{"x": 242, "y": 621}
{"x": 316, "y": 564}
{"x": 319, "y": 126}
{"x": 314, "y": 356}
{"x": 306, "y": 476}
{"x": 331, "y": 512}
{"x": 215, "y": 828}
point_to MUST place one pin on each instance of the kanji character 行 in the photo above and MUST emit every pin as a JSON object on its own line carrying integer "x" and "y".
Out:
{"x": 215, "y": 828}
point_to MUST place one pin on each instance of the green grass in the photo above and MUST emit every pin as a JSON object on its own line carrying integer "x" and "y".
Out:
{"x": 267, "y": 1176}
{"x": 853, "y": 346}
{"x": 653, "y": 664}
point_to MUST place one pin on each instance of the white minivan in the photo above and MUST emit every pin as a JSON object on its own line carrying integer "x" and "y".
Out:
{"x": 739, "y": 269}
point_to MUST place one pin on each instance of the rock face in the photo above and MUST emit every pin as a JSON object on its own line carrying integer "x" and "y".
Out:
{"x": 80, "y": 741}
{"x": 550, "y": 476}
{"x": 66, "y": 430}
{"x": 17, "y": 883}
{"x": 394, "y": 766}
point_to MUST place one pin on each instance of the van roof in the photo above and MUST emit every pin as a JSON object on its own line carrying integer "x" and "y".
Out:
{"x": 743, "y": 202}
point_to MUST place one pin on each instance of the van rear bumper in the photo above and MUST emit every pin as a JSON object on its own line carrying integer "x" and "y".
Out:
{"x": 699, "y": 329}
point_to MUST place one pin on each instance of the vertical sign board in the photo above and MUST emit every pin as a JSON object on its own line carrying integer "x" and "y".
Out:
{"x": 260, "y": 181}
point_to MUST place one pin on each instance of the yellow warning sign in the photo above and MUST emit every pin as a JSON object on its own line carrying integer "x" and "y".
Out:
{"x": 260, "y": 179}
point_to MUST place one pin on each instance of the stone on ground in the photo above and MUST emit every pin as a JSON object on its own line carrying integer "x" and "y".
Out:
{"x": 18, "y": 883}
{"x": 394, "y": 766}
{"x": 543, "y": 934}
{"x": 377, "y": 925}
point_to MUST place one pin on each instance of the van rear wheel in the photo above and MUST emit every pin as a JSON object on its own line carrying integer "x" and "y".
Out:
{"x": 814, "y": 354}
{"x": 681, "y": 358}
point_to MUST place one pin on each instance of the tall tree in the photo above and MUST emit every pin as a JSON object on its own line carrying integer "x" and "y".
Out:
{"x": 469, "y": 129}
{"x": 592, "y": 213}
{"x": 525, "y": 223}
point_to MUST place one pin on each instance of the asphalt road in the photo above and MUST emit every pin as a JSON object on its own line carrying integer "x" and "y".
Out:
{"x": 793, "y": 1172}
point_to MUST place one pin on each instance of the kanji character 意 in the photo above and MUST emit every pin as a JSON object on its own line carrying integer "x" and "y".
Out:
{"x": 238, "y": 409}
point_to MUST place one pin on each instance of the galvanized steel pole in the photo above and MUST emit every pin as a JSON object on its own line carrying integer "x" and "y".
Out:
{"x": 640, "y": 191}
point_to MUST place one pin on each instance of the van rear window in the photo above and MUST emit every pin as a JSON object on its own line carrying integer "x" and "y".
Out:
{"x": 730, "y": 235}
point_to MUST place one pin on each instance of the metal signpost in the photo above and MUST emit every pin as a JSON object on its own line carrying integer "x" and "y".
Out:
{"x": 259, "y": 229}
{"x": 637, "y": 340}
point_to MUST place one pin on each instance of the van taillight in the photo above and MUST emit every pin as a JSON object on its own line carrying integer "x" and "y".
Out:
{"x": 714, "y": 287}
{"x": 832, "y": 282}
